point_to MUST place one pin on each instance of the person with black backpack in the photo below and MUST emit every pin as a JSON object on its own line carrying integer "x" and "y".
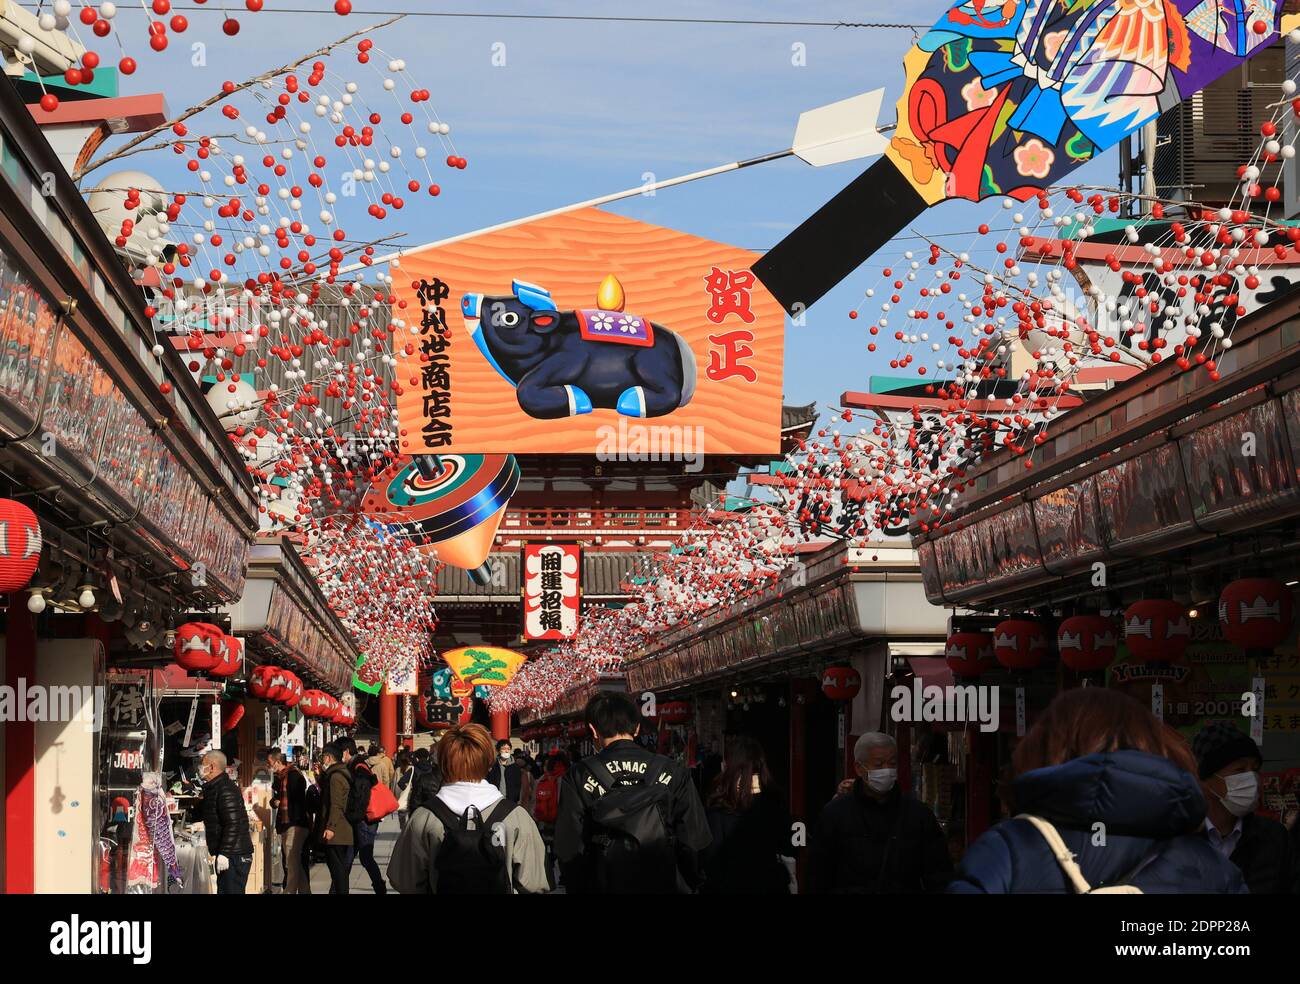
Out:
{"x": 630, "y": 820}
{"x": 464, "y": 837}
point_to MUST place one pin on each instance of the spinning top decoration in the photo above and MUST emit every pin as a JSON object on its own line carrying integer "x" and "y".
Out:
{"x": 451, "y": 503}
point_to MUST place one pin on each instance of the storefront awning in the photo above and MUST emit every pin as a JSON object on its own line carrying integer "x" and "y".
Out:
{"x": 284, "y": 619}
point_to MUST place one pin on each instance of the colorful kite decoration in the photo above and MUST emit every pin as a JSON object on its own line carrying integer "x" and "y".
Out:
{"x": 1006, "y": 99}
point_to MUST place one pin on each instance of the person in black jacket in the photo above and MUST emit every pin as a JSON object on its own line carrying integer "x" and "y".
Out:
{"x": 364, "y": 831}
{"x": 752, "y": 852}
{"x": 591, "y": 854}
{"x": 225, "y": 825}
{"x": 289, "y": 799}
{"x": 876, "y": 839}
{"x": 506, "y": 773}
{"x": 1228, "y": 763}
{"x": 1115, "y": 786}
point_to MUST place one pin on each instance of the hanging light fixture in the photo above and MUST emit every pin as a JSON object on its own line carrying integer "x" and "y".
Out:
{"x": 86, "y": 598}
{"x": 36, "y": 603}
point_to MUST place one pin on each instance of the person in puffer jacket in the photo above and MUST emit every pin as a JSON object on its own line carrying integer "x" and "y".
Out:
{"x": 225, "y": 825}
{"x": 1120, "y": 788}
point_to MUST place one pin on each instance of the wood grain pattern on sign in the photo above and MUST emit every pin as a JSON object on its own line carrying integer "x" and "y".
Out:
{"x": 664, "y": 275}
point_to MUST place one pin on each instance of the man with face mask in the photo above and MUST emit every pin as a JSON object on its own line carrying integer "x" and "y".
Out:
{"x": 225, "y": 825}
{"x": 511, "y": 779}
{"x": 877, "y": 839}
{"x": 1229, "y": 762}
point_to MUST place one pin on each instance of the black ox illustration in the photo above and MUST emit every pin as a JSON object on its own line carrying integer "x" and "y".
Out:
{"x": 565, "y": 363}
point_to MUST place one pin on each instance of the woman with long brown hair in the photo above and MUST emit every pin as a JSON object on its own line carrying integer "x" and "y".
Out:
{"x": 751, "y": 851}
{"x": 1102, "y": 778}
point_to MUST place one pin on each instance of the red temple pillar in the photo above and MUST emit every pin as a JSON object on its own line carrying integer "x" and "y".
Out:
{"x": 388, "y": 722}
{"x": 500, "y": 725}
{"x": 20, "y": 754}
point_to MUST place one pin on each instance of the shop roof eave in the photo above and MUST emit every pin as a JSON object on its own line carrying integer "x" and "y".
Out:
{"x": 1201, "y": 397}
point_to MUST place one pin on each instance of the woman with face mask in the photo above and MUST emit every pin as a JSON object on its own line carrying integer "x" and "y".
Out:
{"x": 1228, "y": 763}
{"x": 1106, "y": 799}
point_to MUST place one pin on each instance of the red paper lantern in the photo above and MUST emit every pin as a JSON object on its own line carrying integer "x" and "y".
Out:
{"x": 1087, "y": 642}
{"x": 1255, "y": 612}
{"x": 278, "y": 684}
{"x": 259, "y": 682}
{"x": 230, "y": 651}
{"x": 675, "y": 712}
{"x": 969, "y": 654}
{"x": 1020, "y": 643}
{"x": 575, "y": 729}
{"x": 20, "y": 545}
{"x": 293, "y": 690}
{"x": 841, "y": 682}
{"x": 344, "y": 716}
{"x": 1157, "y": 629}
{"x": 232, "y": 712}
{"x": 316, "y": 704}
{"x": 195, "y": 648}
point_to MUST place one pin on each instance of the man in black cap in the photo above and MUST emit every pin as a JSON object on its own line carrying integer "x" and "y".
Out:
{"x": 1229, "y": 763}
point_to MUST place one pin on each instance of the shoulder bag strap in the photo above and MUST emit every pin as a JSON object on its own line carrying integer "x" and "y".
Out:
{"x": 445, "y": 814}
{"x": 604, "y": 778}
{"x": 503, "y": 808}
{"x": 654, "y": 768}
{"x": 1064, "y": 857}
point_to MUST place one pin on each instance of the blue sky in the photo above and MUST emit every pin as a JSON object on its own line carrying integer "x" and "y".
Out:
{"x": 580, "y": 109}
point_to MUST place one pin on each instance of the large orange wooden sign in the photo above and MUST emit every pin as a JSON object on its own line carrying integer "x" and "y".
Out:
{"x": 588, "y": 332}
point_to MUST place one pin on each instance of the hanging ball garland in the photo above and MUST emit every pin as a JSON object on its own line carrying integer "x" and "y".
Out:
{"x": 1256, "y": 612}
{"x": 20, "y": 545}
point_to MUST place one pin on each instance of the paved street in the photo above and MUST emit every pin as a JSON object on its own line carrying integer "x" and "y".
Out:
{"x": 359, "y": 882}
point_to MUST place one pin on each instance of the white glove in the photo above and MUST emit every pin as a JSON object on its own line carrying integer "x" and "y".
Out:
{"x": 223, "y": 863}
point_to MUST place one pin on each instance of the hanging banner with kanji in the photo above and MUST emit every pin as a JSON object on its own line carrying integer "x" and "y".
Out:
{"x": 552, "y": 590}
{"x": 402, "y": 680}
{"x": 588, "y": 332}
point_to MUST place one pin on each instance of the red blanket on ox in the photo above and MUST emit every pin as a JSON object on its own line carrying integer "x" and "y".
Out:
{"x": 616, "y": 326}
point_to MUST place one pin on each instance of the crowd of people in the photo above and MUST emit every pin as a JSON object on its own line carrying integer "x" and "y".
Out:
{"x": 1103, "y": 797}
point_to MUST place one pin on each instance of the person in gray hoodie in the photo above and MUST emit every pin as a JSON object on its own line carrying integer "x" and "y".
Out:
{"x": 418, "y": 862}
